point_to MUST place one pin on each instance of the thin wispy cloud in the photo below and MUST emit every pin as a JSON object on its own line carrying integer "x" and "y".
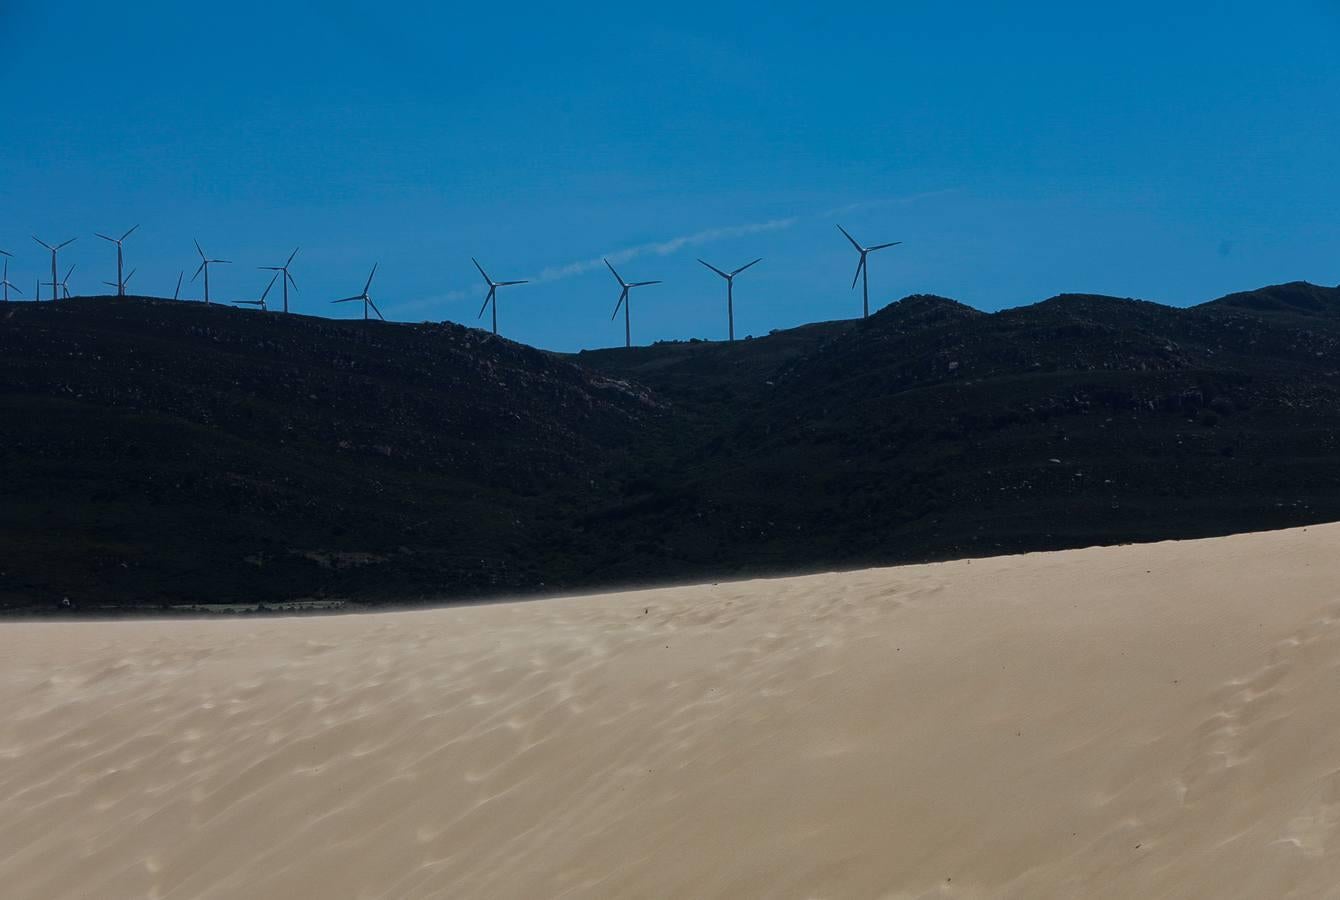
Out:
{"x": 580, "y": 267}
{"x": 668, "y": 247}
{"x": 435, "y": 300}
{"x": 662, "y": 248}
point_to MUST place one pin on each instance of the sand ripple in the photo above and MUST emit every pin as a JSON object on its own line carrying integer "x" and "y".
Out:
{"x": 1126, "y": 722}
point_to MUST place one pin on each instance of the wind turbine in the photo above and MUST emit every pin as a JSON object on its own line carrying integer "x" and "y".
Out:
{"x": 6, "y": 283}
{"x": 204, "y": 267}
{"x": 288, "y": 278}
{"x": 493, "y": 293}
{"x": 863, "y": 271}
{"x": 365, "y": 297}
{"x": 120, "y": 282}
{"x": 260, "y": 302}
{"x": 177, "y": 292}
{"x": 63, "y": 284}
{"x": 53, "y": 250}
{"x": 730, "y": 291}
{"x": 623, "y": 301}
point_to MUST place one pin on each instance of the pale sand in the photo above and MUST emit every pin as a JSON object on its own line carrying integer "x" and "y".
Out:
{"x": 1134, "y": 722}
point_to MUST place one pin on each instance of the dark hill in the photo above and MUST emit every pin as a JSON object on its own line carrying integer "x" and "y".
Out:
{"x": 932, "y": 430}
{"x": 713, "y": 373}
{"x": 160, "y": 452}
{"x": 1297, "y": 298}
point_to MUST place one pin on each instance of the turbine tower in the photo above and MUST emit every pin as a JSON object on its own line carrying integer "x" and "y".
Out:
{"x": 623, "y": 301}
{"x": 54, "y": 284}
{"x": 264, "y": 293}
{"x": 730, "y": 291}
{"x": 177, "y": 292}
{"x": 365, "y": 298}
{"x": 6, "y": 283}
{"x": 63, "y": 285}
{"x": 288, "y": 278}
{"x": 493, "y": 293}
{"x": 863, "y": 271}
{"x": 204, "y": 267}
{"x": 120, "y": 282}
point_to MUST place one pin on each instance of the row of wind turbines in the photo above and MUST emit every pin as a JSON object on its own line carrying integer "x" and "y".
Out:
{"x": 60, "y": 286}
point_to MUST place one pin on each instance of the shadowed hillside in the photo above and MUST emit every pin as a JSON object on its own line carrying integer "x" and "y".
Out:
{"x": 168, "y": 453}
{"x": 161, "y": 451}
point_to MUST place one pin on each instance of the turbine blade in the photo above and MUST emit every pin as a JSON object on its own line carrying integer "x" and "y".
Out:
{"x": 268, "y": 286}
{"x": 714, "y": 268}
{"x": 67, "y": 272}
{"x": 104, "y": 237}
{"x": 129, "y": 233}
{"x": 505, "y": 283}
{"x": 70, "y": 241}
{"x": 492, "y": 291}
{"x": 617, "y": 276}
{"x": 290, "y": 279}
{"x": 197, "y": 272}
{"x": 376, "y": 310}
{"x": 882, "y": 246}
{"x": 642, "y": 283}
{"x": 373, "y": 272}
{"x": 43, "y": 243}
{"x": 221, "y": 260}
{"x": 622, "y": 298}
{"x": 346, "y": 299}
{"x": 742, "y": 268}
{"x": 850, "y": 238}
{"x": 290, "y": 257}
{"x": 128, "y": 277}
{"x": 860, "y": 265}
{"x": 481, "y": 270}
{"x": 5, "y": 253}
{"x": 197, "y": 248}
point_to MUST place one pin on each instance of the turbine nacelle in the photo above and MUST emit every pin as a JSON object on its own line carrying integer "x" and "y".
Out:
{"x": 365, "y": 298}
{"x": 730, "y": 276}
{"x": 288, "y": 276}
{"x": 264, "y": 294}
{"x": 492, "y": 296}
{"x": 625, "y": 286}
{"x": 862, "y": 268}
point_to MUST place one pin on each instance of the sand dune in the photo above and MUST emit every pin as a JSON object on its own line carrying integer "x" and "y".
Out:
{"x": 1153, "y": 721}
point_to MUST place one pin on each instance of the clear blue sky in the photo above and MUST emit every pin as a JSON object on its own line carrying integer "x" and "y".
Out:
{"x": 1020, "y": 150}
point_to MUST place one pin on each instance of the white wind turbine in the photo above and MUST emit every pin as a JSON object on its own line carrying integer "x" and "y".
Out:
{"x": 863, "y": 271}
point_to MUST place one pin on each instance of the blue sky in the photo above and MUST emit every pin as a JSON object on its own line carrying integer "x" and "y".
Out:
{"x": 1019, "y": 151}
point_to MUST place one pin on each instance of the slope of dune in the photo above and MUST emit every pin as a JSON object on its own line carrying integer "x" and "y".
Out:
{"x": 1139, "y": 721}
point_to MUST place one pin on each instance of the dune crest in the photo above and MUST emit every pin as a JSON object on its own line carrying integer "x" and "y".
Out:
{"x": 1155, "y": 720}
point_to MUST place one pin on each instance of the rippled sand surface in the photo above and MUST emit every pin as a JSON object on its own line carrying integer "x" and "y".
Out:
{"x": 1151, "y": 721}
